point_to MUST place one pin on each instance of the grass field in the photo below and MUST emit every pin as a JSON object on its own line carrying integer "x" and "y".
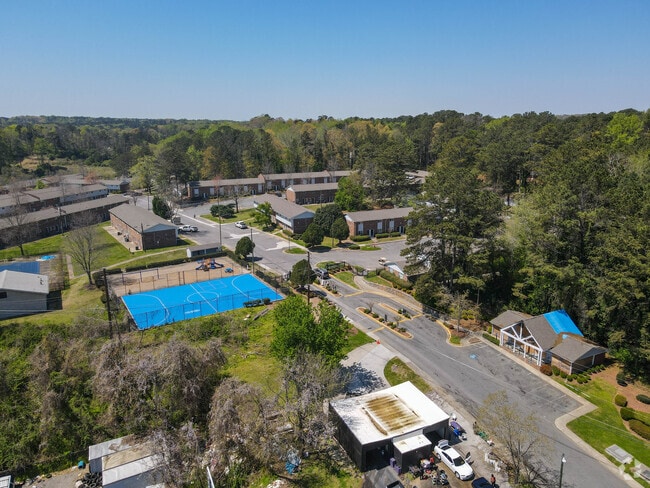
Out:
{"x": 604, "y": 426}
{"x": 397, "y": 372}
{"x": 346, "y": 277}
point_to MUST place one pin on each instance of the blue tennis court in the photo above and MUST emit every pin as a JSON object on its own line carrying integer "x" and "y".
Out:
{"x": 160, "y": 307}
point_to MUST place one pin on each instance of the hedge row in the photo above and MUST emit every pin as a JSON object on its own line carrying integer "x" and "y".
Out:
{"x": 491, "y": 338}
{"x": 384, "y": 235}
{"x": 397, "y": 283}
{"x": 640, "y": 428}
{"x": 360, "y": 238}
{"x": 627, "y": 413}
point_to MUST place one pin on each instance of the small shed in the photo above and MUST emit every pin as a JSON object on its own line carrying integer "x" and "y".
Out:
{"x": 203, "y": 249}
{"x": 126, "y": 463}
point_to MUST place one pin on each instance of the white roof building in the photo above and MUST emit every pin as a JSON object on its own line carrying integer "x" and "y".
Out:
{"x": 125, "y": 463}
{"x": 22, "y": 293}
{"x": 401, "y": 421}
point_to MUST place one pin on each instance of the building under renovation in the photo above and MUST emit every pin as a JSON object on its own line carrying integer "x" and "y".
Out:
{"x": 399, "y": 422}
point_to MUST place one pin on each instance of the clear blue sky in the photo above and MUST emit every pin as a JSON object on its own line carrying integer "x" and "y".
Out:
{"x": 237, "y": 59}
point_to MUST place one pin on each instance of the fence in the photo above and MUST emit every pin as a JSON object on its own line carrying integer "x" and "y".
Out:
{"x": 158, "y": 278}
{"x": 184, "y": 311}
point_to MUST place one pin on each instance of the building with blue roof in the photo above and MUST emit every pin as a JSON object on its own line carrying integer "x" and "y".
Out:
{"x": 551, "y": 338}
{"x": 561, "y": 323}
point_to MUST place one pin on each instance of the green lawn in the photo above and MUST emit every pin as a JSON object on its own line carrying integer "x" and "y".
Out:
{"x": 378, "y": 279}
{"x": 604, "y": 426}
{"x": 295, "y": 250}
{"x": 397, "y": 372}
{"x": 346, "y": 277}
{"x": 49, "y": 245}
{"x": 370, "y": 247}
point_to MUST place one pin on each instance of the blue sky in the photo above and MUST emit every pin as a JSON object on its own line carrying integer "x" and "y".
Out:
{"x": 238, "y": 59}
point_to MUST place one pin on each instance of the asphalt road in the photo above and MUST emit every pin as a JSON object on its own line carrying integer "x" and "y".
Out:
{"x": 464, "y": 375}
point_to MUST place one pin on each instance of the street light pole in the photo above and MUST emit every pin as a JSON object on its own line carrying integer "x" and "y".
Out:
{"x": 252, "y": 253}
{"x": 562, "y": 468}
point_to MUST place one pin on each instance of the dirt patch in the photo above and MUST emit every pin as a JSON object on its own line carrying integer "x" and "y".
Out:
{"x": 629, "y": 392}
{"x": 62, "y": 479}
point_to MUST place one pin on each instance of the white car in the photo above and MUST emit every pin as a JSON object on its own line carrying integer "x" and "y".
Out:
{"x": 241, "y": 224}
{"x": 453, "y": 460}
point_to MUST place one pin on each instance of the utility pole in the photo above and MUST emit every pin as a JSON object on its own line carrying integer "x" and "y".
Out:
{"x": 108, "y": 307}
{"x": 308, "y": 276}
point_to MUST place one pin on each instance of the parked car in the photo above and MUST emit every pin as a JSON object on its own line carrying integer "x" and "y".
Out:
{"x": 188, "y": 228}
{"x": 241, "y": 224}
{"x": 453, "y": 460}
{"x": 481, "y": 483}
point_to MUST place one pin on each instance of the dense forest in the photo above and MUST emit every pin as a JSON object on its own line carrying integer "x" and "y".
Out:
{"x": 532, "y": 212}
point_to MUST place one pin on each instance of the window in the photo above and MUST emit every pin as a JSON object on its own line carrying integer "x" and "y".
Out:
{"x": 3, "y": 294}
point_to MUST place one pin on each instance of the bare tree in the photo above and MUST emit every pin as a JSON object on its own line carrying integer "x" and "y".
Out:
{"x": 307, "y": 381}
{"x": 81, "y": 244}
{"x": 241, "y": 429}
{"x": 524, "y": 444}
{"x": 18, "y": 230}
{"x": 179, "y": 451}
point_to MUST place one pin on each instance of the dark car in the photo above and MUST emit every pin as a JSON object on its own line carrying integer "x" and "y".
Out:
{"x": 481, "y": 483}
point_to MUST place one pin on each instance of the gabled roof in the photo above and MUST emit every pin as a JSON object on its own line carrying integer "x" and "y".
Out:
{"x": 66, "y": 210}
{"x": 509, "y": 317}
{"x": 284, "y": 207}
{"x": 25, "y": 282}
{"x": 573, "y": 349}
{"x": 314, "y": 187}
{"x": 141, "y": 219}
{"x": 295, "y": 176}
{"x": 542, "y": 331}
{"x": 382, "y": 214}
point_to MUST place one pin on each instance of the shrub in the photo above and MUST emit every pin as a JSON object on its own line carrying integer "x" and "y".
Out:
{"x": 491, "y": 338}
{"x": 620, "y": 378}
{"x": 546, "y": 369}
{"x": 640, "y": 428}
{"x": 397, "y": 283}
{"x": 643, "y": 398}
{"x": 354, "y": 247}
{"x": 571, "y": 377}
{"x": 360, "y": 238}
{"x": 556, "y": 370}
{"x": 563, "y": 374}
{"x": 620, "y": 401}
{"x": 382, "y": 235}
{"x": 627, "y": 413}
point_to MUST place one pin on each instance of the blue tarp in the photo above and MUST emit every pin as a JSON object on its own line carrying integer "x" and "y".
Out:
{"x": 562, "y": 323}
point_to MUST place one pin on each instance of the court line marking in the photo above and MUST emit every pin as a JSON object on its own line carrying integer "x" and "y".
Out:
{"x": 204, "y": 299}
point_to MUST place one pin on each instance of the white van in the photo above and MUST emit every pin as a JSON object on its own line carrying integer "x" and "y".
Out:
{"x": 322, "y": 273}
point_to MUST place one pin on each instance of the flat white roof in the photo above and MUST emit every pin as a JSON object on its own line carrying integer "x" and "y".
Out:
{"x": 410, "y": 444}
{"x": 389, "y": 413}
{"x": 143, "y": 468}
{"x": 5, "y": 481}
